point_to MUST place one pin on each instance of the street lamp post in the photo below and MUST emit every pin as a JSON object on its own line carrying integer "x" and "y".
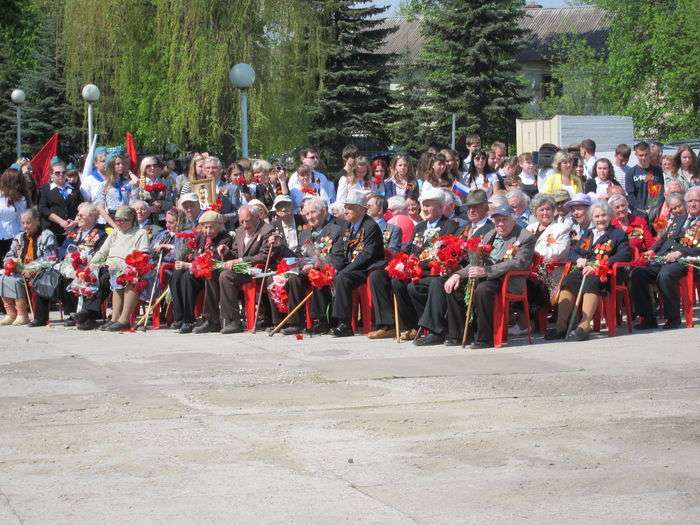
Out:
{"x": 91, "y": 94}
{"x": 242, "y": 76}
{"x": 18, "y": 97}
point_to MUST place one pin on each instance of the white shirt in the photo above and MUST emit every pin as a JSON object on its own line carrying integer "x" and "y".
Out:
{"x": 542, "y": 177}
{"x": 290, "y": 234}
{"x": 91, "y": 189}
{"x": 344, "y": 189}
{"x": 588, "y": 166}
{"x": 327, "y": 185}
{"x": 621, "y": 172}
{"x": 9, "y": 217}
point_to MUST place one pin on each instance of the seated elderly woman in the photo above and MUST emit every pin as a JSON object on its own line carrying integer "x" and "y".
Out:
{"x": 184, "y": 286}
{"x": 126, "y": 238}
{"x": 551, "y": 246}
{"x": 635, "y": 226}
{"x": 598, "y": 247}
{"x": 29, "y": 246}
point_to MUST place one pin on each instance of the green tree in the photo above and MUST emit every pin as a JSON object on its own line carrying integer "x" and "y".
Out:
{"x": 353, "y": 95}
{"x": 654, "y": 65}
{"x": 470, "y": 49}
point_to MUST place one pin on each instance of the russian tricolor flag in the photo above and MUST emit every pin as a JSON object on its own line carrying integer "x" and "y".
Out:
{"x": 460, "y": 190}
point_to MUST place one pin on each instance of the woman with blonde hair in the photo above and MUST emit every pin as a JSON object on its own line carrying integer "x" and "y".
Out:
{"x": 402, "y": 178}
{"x": 563, "y": 176}
{"x": 117, "y": 188}
{"x": 357, "y": 179}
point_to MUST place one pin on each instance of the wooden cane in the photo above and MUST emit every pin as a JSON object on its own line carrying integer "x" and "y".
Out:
{"x": 160, "y": 298}
{"x": 262, "y": 287}
{"x": 574, "y": 312}
{"x": 29, "y": 297}
{"x": 397, "y": 321}
{"x": 290, "y": 314}
{"x": 149, "y": 306}
{"x": 470, "y": 288}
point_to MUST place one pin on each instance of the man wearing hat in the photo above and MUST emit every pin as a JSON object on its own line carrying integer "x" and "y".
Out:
{"x": 184, "y": 286}
{"x": 288, "y": 226}
{"x": 513, "y": 249}
{"x": 189, "y": 203}
{"x": 363, "y": 243}
{"x": 476, "y": 215}
{"x": 250, "y": 245}
{"x": 561, "y": 197}
{"x": 435, "y": 224}
{"x": 578, "y": 208}
{"x": 58, "y": 202}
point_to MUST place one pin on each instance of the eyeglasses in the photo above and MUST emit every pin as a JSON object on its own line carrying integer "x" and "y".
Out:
{"x": 59, "y": 172}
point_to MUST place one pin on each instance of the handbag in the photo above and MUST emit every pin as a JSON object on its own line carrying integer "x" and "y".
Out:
{"x": 46, "y": 284}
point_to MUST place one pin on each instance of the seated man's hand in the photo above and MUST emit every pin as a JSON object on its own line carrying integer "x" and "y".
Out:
{"x": 581, "y": 262}
{"x": 306, "y": 268}
{"x": 452, "y": 283}
{"x": 673, "y": 256}
{"x": 182, "y": 265}
{"x": 587, "y": 270}
{"x": 222, "y": 250}
{"x": 477, "y": 271}
{"x": 229, "y": 264}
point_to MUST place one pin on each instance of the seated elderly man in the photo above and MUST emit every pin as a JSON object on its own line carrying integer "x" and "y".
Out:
{"x": 520, "y": 202}
{"x": 376, "y": 208}
{"x": 143, "y": 219}
{"x": 222, "y": 295}
{"x": 321, "y": 242}
{"x": 382, "y": 286}
{"x": 513, "y": 248}
{"x": 189, "y": 204}
{"x": 681, "y": 239}
{"x": 363, "y": 247}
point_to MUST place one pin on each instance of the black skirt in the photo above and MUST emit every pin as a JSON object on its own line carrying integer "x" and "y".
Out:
{"x": 572, "y": 282}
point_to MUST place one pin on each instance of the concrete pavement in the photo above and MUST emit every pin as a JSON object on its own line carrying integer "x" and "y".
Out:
{"x": 164, "y": 428}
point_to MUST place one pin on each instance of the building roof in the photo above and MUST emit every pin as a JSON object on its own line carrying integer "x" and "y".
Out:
{"x": 545, "y": 25}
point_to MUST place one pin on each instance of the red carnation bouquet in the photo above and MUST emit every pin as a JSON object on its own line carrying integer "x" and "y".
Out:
{"x": 277, "y": 292}
{"x": 319, "y": 278}
{"x": 405, "y": 267}
{"x": 448, "y": 251}
{"x": 240, "y": 180}
{"x": 216, "y": 206}
{"x": 155, "y": 187}
{"x": 138, "y": 266}
{"x": 204, "y": 264}
{"x": 11, "y": 267}
{"x": 309, "y": 191}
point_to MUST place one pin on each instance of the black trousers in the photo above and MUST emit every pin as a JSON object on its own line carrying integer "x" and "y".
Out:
{"x": 382, "y": 287}
{"x": 482, "y": 300}
{"x": 434, "y": 316}
{"x": 418, "y": 293}
{"x": 68, "y": 301}
{"x": 93, "y": 307}
{"x": 222, "y": 296}
{"x": 297, "y": 289}
{"x": 184, "y": 288}
{"x": 345, "y": 283}
{"x": 666, "y": 276}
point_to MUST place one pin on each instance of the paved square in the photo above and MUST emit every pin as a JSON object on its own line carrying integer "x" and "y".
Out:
{"x": 160, "y": 427}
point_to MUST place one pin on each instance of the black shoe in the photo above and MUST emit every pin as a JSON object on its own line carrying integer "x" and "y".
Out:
{"x": 207, "y": 327}
{"x": 477, "y": 345}
{"x": 319, "y": 328}
{"x": 429, "y": 340}
{"x": 177, "y": 325}
{"x": 580, "y": 334}
{"x": 118, "y": 327}
{"x": 342, "y": 330}
{"x": 37, "y": 323}
{"x": 647, "y": 324}
{"x": 186, "y": 328}
{"x": 451, "y": 341}
{"x": 291, "y": 330}
{"x": 71, "y": 321}
{"x": 552, "y": 334}
{"x": 670, "y": 324}
{"x": 81, "y": 316}
{"x": 105, "y": 326}
{"x": 262, "y": 324}
{"x": 232, "y": 327}
{"x": 88, "y": 324}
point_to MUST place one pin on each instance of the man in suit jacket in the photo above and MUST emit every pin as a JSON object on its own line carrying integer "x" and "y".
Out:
{"x": 513, "y": 249}
{"x": 58, "y": 203}
{"x": 391, "y": 234}
{"x": 382, "y": 286}
{"x": 681, "y": 239}
{"x": 288, "y": 226}
{"x": 476, "y": 215}
{"x": 320, "y": 243}
{"x": 363, "y": 245}
{"x": 250, "y": 245}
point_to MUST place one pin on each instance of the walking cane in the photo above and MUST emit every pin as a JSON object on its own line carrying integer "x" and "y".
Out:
{"x": 153, "y": 291}
{"x": 574, "y": 312}
{"x": 290, "y": 314}
{"x": 470, "y": 286}
{"x": 262, "y": 287}
{"x": 29, "y": 297}
{"x": 397, "y": 322}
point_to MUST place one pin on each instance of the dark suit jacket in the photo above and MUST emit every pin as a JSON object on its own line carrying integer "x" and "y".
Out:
{"x": 336, "y": 257}
{"x": 50, "y": 201}
{"x": 620, "y": 248}
{"x": 222, "y": 238}
{"x": 284, "y": 250}
{"x": 91, "y": 242}
{"x": 670, "y": 240}
{"x": 256, "y": 250}
{"x": 363, "y": 248}
{"x": 479, "y": 232}
{"x": 416, "y": 245}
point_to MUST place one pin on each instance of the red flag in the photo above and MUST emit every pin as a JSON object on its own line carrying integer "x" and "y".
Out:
{"x": 41, "y": 162}
{"x": 131, "y": 150}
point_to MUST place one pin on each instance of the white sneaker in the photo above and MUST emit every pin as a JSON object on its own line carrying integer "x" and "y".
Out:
{"x": 7, "y": 320}
{"x": 516, "y": 331}
{"x": 20, "y": 320}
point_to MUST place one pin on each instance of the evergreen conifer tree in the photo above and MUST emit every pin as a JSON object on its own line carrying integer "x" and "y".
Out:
{"x": 353, "y": 93}
{"x": 470, "y": 49}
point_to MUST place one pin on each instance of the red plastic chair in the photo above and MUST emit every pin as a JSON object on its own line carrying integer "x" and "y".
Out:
{"x": 250, "y": 292}
{"x": 501, "y": 308}
{"x": 609, "y": 305}
{"x": 688, "y": 287}
{"x": 362, "y": 304}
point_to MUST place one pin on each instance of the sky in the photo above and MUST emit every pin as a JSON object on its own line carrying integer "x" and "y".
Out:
{"x": 545, "y": 3}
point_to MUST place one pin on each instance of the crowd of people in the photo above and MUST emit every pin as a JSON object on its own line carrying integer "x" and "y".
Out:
{"x": 423, "y": 244}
